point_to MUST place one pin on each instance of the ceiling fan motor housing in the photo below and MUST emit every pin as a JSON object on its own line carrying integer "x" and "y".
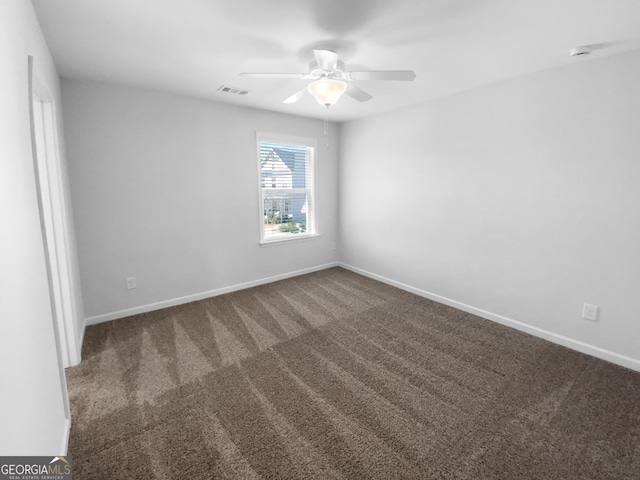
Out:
{"x": 337, "y": 73}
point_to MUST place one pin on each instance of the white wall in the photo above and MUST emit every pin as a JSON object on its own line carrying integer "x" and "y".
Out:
{"x": 33, "y": 420}
{"x": 520, "y": 199}
{"x": 164, "y": 188}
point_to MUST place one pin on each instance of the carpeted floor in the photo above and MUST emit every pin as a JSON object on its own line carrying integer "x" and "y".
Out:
{"x": 335, "y": 376}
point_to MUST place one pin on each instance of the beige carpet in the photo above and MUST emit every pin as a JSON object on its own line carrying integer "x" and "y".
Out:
{"x": 335, "y": 376}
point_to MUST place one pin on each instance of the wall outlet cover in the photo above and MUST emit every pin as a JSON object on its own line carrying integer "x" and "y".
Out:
{"x": 590, "y": 312}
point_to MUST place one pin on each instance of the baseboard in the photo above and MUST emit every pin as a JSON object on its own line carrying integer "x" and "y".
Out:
{"x": 613, "y": 357}
{"x": 202, "y": 295}
{"x": 80, "y": 340}
{"x": 65, "y": 438}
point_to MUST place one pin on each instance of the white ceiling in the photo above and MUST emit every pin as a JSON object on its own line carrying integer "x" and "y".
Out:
{"x": 192, "y": 47}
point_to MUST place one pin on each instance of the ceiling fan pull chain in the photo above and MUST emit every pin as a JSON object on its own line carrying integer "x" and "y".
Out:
{"x": 326, "y": 128}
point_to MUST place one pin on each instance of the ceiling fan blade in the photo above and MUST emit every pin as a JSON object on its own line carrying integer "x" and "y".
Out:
{"x": 357, "y": 93}
{"x": 327, "y": 60}
{"x": 274, "y": 75}
{"x": 296, "y": 96}
{"x": 402, "y": 75}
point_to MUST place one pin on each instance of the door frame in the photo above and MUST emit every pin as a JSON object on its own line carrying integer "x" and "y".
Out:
{"x": 55, "y": 222}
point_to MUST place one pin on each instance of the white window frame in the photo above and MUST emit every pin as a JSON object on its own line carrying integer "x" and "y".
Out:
{"x": 312, "y": 208}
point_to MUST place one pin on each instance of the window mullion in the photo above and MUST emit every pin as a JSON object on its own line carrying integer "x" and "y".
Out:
{"x": 277, "y": 191}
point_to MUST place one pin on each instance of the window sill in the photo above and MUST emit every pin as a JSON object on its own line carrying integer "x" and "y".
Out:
{"x": 287, "y": 239}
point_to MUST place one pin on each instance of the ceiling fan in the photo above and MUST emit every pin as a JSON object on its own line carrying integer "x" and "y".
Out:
{"x": 331, "y": 79}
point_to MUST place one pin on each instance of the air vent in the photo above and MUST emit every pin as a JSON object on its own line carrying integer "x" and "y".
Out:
{"x": 580, "y": 51}
{"x": 237, "y": 91}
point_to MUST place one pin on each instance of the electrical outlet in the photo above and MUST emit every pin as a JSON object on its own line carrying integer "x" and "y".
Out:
{"x": 131, "y": 283}
{"x": 590, "y": 312}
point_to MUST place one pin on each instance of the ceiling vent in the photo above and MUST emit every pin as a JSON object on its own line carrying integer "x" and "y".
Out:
{"x": 237, "y": 91}
{"x": 580, "y": 51}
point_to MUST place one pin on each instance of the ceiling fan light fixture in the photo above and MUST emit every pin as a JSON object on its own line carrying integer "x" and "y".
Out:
{"x": 327, "y": 91}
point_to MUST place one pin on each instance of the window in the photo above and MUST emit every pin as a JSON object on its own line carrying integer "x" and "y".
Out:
{"x": 287, "y": 203}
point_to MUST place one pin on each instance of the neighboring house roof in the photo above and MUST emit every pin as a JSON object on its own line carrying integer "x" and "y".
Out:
{"x": 287, "y": 156}
{"x": 284, "y": 166}
{"x": 274, "y": 158}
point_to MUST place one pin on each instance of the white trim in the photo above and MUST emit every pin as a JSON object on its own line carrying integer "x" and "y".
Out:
{"x": 613, "y": 357}
{"x": 291, "y": 238}
{"x": 199, "y": 296}
{"x": 312, "y": 213}
{"x": 284, "y": 138}
{"x": 65, "y": 438}
{"x": 81, "y": 340}
{"x": 51, "y": 187}
{"x": 46, "y": 162}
